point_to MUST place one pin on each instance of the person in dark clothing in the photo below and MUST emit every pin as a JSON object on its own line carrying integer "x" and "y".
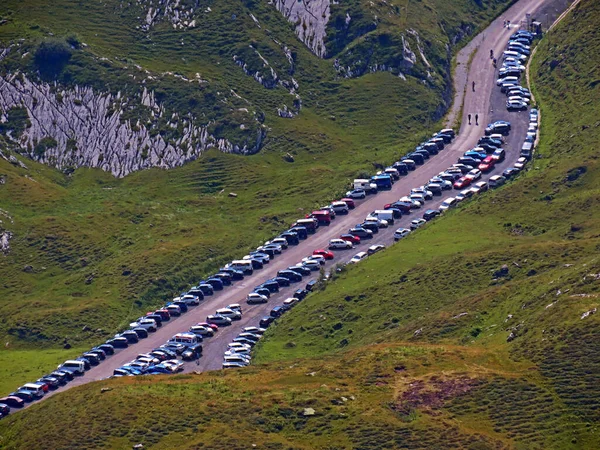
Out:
{"x": 473, "y": 86}
{"x": 469, "y": 119}
{"x": 476, "y": 119}
{"x": 491, "y": 54}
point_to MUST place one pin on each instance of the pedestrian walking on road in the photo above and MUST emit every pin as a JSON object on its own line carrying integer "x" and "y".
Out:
{"x": 473, "y": 86}
{"x": 491, "y": 54}
{"x": 494, "y": 61}
{"x": 469, "y": 119}
{"x": 508, "y": 24}
{"x": 504, "y": 25}
{"x": 476, "y": 119}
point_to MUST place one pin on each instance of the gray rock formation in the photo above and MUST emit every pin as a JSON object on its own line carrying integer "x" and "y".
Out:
{"x": 179, "y": 13}
{"x": 310, "y": 18}
{"x": 81, "y": 127}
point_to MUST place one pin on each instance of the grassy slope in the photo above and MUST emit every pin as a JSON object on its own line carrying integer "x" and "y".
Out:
{"x": 166, "y": 229}
{"x": 457, "y": 384}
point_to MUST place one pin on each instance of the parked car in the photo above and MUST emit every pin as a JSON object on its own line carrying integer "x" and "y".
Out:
{"x": 229, "y": 313}
{"x": 218, "y": 320}
{"x": 496, "y": 181}
{"x": 350, "y": 238}
{"x": 266, "y": 321}
{"x": 356, "y": 194}
{"x": 340, "y": 244}
{"x": 255, "y": 298}
{"x": 324, "y": 253}
{"x": 374, "y": 249}
{"x": 414, "y": 224}
{"x": 431, "y": 214}
{"x": 474, "y": 174}
{"x": 312, "y": 264}
{"x": 401, "y": 233}
{"x": 118, "y": 342}
{"x": 290, "y": 275}
{"x": 462, "y": 182}
{"x": 13, "y": 401}
{"x": 487, "y": 164}
{"x": 447, "y": 204}
{"x": 300, "y": 294}
{"x": 358, "y": 257}
{"x": 310, "y": 285}
{"x": 520, "y": 164}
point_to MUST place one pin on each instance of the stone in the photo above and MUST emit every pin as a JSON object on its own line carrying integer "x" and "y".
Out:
{"x": 308, "y": 412}
{"x": 28, "y": 269}
{"x": 105, "y": 389}
{"x": 233, "y": 194}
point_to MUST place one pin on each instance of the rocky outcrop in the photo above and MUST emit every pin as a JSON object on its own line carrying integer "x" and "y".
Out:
{"x": 179, "y": 13}
{"x": 310, "y": 18}
{"x": 80, "y": 127}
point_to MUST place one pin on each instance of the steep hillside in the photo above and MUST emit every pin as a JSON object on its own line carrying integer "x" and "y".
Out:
{"x": 125, "y": 86}
{"x": 479, "y": 332}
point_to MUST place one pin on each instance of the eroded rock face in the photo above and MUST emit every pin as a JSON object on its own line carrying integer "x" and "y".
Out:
{"x": 80, "y": 127}
{"x": 310, "y": 18}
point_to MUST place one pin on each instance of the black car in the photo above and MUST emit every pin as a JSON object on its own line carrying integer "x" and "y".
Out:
{"x": 23, "y": 395}
{"x": 489, "y": 141}
{"x": 131, "y": 336}
{"x": 498, "y": 127}
{"x": 302, "y": 232}
{"x": 291, "y": 237}
{"x": 224, "y": 277}
{"x": 432, "y": 147}
{"x": 183, "y": 306}
{"x": 431, "y": 214}
{"x": 99, "y": 353}
{"x": 192, "y": 352}
{"x": 417, "y": 158}
{"x": 12, "y": 401}
{"x": 156, "y": 317}
{"x": 206, "y": 289}
{"x": 370, "y": 226}
{"x": 277, "y": 311}
{"x": 283, "y": 282}
{"x": 300, "y": 294}
{"x": 447, "y": 137}
{"x": 272, "y": 286}
{"x": 263, "y": 291}
{"x": 489, "y": 148}
{"x": 197, "y": 292}
{"x": 310, "y": 285}
{"x": 263, "y": 252}
{"x": 290, "y": 275}
{"x": 4, "y": 409}
{"x": 118, "y": 342}
{"x": 266, "y": 321}
{"x": 401, "y": 168}
{"x": 469, "y": 161}
{"x": 142, "y": 333}
{"x": 509, "y": 173}
{"x": 234, "y": 274}
{"x": 216, "y": 284}
{"x": 52, "y": 382}
{"x": 257, "y": 262}
{"x": 64, "y": 374}
{"x": 360, "y": 232}
{"x": 304, "y": 271}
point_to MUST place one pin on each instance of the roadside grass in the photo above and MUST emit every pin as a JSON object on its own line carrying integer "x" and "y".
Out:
{"x": 18, "y": 367}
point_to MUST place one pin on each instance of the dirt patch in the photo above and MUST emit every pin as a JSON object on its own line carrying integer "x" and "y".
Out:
{"x": 431, "y": 395}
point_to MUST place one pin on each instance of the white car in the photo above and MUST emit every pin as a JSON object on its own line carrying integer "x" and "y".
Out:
{"x": 464, "y": 194}
{"x": 356, "y": 194}
{"x": 254, "y": 298}
{"x": 254, "y": 330}
{"x": 147, "y": 324}
{"x": 289, "y": 302}
{"x": 510, "y": 79}
{"x": 240, "y": 359}
{"x": 202, "y": 331}
{"x": 414, "y": 224}
{"x": 235, "y": 307}
{"x": 427, "y": 195}
{"x": 147, "y": 358}
{"x": 238, "y": 351}
{"x": 312, "y": 264}
{"x": 339, "y": 244}
{"x": 319, "y": 258}
{"x": 174, "y": 365}
{"x": 520, "y": 163}
{"x": 447, "y": 204}
{"x": 516, "y": 105}
{"x": 474, "y": 175}
{"x": 190, "y": 300}
{"x": 238, "y": 345}
{"x": 229, "y": 313}
{"x": 400, "y": 233}
{"x": 518, "y": 98}
{"x": 282, "y": 242}
{"x": 358, "y": 257}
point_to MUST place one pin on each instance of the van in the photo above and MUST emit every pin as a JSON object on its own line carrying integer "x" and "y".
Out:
{"x": 74, "y": 366}
{"x": 384, "y": 214}
{"x": 417, "y": 158}
{"x": 242, "y": 265}
{"x": 382, "y": 181}
{"x": 496, "y": 181}
{"x": 323, "y": 217}
{"x": 311, "y": 225}
{"x": 186, "y": 339}
{"x": 526, "y": 150}
{"x": 361, "y": 183}
{"x": 36, "y": 390}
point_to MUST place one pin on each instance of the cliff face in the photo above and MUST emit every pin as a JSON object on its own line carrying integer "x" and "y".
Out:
{"x": 81, "y": 127}
{"x": 311, "y": 18}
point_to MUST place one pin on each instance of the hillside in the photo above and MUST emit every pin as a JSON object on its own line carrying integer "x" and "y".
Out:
{"x": 121, "y": 87}
{"x": 477, "y": 332}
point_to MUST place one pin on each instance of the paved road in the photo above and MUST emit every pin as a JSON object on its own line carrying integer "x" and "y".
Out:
{"x": 487, "y": 101}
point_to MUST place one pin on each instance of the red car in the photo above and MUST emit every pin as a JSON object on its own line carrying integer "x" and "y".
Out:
{"x": 163, "y": 313}
{"x": 349, "y": 202}
{"x": 324, "y": 253}
{"x": 462, "y": 183}
{"x": 487, "y": 164}
{"x": 351, "y": 238}
{"x": 208, "y": 325}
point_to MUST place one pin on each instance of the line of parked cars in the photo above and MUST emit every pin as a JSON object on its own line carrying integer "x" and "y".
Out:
{"x": 514, "y": 59}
